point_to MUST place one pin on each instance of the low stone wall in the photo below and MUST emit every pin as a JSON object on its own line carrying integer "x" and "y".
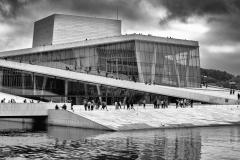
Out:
{"x": 8, "y": 110}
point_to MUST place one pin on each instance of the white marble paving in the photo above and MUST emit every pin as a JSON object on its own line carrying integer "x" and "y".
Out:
{"x": 199, "y": 115}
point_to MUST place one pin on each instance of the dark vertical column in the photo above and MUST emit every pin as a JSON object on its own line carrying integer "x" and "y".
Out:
{"x": 187, "y": 69}
{"x": 23, "y": 84}
{"x": 44, "y": 84}
{"x": 154, "y": 61}
{"x": 163, "y": 63}
{"x": 106, "y": 65}
{"x": 85, "y": 90}
{"x": 117, "y": 67}
{"x": 174, "y": 52}
{"x": 66, "y": 90}
{"x": 1, "y": 77}
{"x": 34, "y": 83}
{"x": 139, "y": 62}
{"x": 99, "y": 93}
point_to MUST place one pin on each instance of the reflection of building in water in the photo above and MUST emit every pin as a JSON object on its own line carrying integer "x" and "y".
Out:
{"x": 174, "y": 144}
{"x": 181, "y": 146}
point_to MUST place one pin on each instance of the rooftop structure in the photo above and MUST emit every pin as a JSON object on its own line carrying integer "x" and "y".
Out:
{"x": 59, "y": 29}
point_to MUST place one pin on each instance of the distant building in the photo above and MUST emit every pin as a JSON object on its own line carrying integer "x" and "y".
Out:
{"x": 96, "y": 46}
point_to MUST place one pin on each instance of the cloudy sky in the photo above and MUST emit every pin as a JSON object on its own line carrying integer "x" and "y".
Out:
{"x": 214, "y": 23}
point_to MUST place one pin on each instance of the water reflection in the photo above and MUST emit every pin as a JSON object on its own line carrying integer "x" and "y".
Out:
{"x": 69, "y": 133}
{"x": 73, "y": 143}
{"x": 165, "y": 144}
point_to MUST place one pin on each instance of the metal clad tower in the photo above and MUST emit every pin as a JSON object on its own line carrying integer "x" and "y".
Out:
{"x": 58, "y": 29}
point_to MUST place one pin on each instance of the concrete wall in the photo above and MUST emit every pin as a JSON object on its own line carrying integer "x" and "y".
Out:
{"x": 66, "y": 118}
{"x": 77, "y": 28}
{"x": 43, "y": 32}
{"x": 57, "y": 29}
{"x": 26, "y": 109}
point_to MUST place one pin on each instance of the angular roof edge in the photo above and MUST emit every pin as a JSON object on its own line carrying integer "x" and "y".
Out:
{"x": 76, "y": 16}
{"x": 93, "y": 42}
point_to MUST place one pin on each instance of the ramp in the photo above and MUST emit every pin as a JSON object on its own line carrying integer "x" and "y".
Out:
{"x": 216, "y": 97}
{"x": 67, "y": 118}
{"x": 122, "y": 120}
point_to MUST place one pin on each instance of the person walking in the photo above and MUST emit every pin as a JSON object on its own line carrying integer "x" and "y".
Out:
{"x": 131, "y": 104}
{"x": 64, "y": 107}
{"x": 98, "y": 104}
{"x": 85, "y": 104}
{"x": 177, "y": 103}
{"x": 3, "y": 100}
{"x": 158, "y": 103}
{"x": 181, "y": 103}
{"x": 191, "y": 103}
{"x": 155, "y": 104}
{"x": 119, "y": 105}
{"x": 56, "y": 107}
{"x": 104, "y": 105}
{"x": 116, "y": 105}
{"x": 144, "y": 103}
{"x": 92, "y": 105}
{"x": 162, "y": 103}
{"x": 128, "y": 103}
{"x": 89, "y": 105}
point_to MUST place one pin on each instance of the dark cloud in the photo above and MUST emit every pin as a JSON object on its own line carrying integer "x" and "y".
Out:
{"x": 10, "y": 8}
{"x": 20, "y": 14}
{"x": 224, "y": 30}
{"x": 127, "y": 9}
{"x": 183, "y": 9}
{"x": 222, "y": 18}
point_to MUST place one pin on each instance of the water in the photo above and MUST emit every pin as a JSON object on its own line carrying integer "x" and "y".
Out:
{"x": 25, "y": 141}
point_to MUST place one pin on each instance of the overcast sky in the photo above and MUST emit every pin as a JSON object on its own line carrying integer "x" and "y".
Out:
{"x": 214, "y": 23}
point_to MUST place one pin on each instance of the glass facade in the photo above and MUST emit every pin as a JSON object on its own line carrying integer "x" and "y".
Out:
{"x": 142, "y": 61}
{"x": 113, "y": 60}
{"x": 168, "y": 64}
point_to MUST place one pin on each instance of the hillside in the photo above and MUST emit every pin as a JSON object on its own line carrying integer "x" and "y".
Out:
{"x": 219, "y": 78}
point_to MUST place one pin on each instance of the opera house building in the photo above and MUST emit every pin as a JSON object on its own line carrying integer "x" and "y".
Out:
{"x": 76, "y": 57}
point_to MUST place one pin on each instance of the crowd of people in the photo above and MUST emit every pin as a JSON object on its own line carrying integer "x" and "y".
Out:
{"x": 9, "y": 101}
{"x": 90, "y": 105}
{"x": 64, "y": 107}
{"x": 183, "y": 103}
{"x": 232, "y": 91}
{"x": 128, "y": 103}
{"x": 160, "y": 103}
{"x": 163, "y": 103}
{"x": 12, "y": 100}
